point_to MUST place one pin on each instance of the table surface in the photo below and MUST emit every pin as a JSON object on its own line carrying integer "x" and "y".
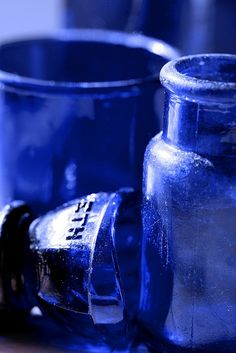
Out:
{"x": 42, "y": 338}
{"x": 22, "y": 345}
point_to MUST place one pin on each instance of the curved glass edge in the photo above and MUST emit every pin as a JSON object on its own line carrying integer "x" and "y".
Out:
{"x": 151, "y": 45}
{"x": 174, "y": 79}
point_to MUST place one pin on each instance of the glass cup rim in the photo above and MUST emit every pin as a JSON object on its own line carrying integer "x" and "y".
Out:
{"x": 188, "y": 87}
{"x": 130, "y": 40}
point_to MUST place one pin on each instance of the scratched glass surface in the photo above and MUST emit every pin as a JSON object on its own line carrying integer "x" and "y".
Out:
{"x": 70, "y": 268}
{"x": 77, "y": 111}
{"x": 188, "y": 263}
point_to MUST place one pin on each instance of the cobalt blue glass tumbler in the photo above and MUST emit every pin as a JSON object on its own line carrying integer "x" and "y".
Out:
{"x": 76, "y": 112}
{"x": 188, "y": 260}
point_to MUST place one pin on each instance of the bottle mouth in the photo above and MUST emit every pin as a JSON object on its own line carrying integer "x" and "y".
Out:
{"x": 201, "y": 77}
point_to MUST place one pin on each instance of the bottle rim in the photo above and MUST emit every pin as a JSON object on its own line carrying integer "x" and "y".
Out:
{"x": 208, "y": 77}
{"x": 112, "y": 38}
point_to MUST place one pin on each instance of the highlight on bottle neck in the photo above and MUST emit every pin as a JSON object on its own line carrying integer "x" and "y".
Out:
{"x": 200, "y": 107}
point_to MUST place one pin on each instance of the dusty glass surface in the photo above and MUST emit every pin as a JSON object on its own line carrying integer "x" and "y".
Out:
{"x": 188, "y": 262}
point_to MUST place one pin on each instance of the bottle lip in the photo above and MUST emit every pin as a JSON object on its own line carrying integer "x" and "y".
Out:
{"x": 207, "y": 77}
{"x": 149, "y": 45}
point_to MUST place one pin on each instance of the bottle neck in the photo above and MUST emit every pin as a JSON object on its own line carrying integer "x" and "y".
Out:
{"x": 206, "y": 128}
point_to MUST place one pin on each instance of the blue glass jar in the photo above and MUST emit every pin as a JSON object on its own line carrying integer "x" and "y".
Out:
{"x": 76, "y": 112}
{"x": 188, "y": 260}
{"x": 193, "y": 26}
{"x": 116, "y": 15}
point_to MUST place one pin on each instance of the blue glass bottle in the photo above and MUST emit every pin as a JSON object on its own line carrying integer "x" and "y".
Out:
{"x": 188, "y": 256}
{"x": 72, "y": 264}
